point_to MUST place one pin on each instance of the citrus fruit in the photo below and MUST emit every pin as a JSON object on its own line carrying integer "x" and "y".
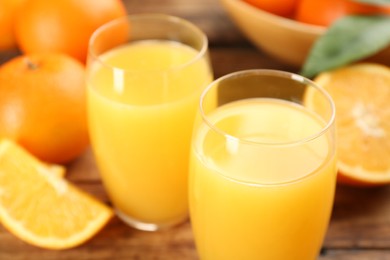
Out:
{"x": 281, "y": 7}
{"x": 41, "y": 208}
{"x": 58, "y": 170}
{"x": 361, "y": 93}
{"x": 8, "y": 13}
{"x": 63, "y": 25}
{"x": 326, "y": 12}
{"x": 43, "y": 105}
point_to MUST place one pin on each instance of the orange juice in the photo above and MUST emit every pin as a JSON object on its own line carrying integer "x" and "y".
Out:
{"x": 142, "y": 102}
{"x": 255, "y": 191}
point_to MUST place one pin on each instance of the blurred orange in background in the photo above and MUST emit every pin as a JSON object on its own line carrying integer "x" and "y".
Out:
{"x": 63, "y": 25}
{"x": 43, "y": 105}
{"x": 280, "y": 7}
{"x": 8, "y": 13}
{"x": 325, "y": 12}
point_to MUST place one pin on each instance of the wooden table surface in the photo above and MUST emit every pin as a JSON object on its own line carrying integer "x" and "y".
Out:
{"x": 360, "y": 223}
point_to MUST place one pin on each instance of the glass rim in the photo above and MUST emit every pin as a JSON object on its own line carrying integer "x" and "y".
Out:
{"x": 269, "y": 72}
{"x": 147, "y": 16}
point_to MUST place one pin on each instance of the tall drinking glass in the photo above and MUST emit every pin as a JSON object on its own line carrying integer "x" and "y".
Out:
{"x": 263, "y": 170}
{"x": 145, "y": 76}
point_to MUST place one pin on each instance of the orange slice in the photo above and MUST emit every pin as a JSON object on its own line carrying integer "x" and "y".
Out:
{"x": 56, "y": 169}
{"x": 361, "y": 93}
{"x": 42, "y": 208}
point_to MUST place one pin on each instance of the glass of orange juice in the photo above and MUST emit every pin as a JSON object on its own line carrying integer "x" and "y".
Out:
{"x": 145, "y": 76}
{"x": 263, "y": 169}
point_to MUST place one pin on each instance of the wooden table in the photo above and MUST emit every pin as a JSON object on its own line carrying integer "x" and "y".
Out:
{"x": 360, "y": 224}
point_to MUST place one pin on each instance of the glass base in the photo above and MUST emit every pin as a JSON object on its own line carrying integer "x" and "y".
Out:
{"x": 148, "y": 226}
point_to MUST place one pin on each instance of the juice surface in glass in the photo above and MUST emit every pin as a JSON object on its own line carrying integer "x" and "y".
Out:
{"x": 256, "y": 193}
{"x": 142, "y": 101}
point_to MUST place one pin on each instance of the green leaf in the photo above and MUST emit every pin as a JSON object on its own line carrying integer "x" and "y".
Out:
{"x": 349, "y": 39}
{"x": 375, "y": 2}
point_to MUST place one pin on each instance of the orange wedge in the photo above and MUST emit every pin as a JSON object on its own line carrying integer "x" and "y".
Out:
{"x": 361, "y": 93}
{"x": 42, "y": 208}
{"x": 56, "y": 169}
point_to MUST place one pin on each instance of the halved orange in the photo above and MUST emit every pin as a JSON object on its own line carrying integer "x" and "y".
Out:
{"x": 361, "y": 93}
{"x": 43, "y": 208}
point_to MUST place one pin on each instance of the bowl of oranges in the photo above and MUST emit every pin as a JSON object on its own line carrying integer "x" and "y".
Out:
{"x": 288, "y": 29}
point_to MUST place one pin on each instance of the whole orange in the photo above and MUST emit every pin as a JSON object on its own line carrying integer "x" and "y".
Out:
{"x": 281, "y": 7}
{"x": 43, "y": 105}
{"x": 63, "y": 25}
{"x": 326, "y": 12}
{"x": 8, "y": 13}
